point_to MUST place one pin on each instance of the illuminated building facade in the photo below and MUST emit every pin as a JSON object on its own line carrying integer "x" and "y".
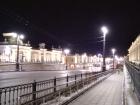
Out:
{"x": 80, "y": 61}
{"x": 134, "y": 51}
{"x": 8, "y": 53}
{"x": 27, "y": 54}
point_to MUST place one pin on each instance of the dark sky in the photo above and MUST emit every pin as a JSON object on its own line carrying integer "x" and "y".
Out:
{"x": 73, "y": 23}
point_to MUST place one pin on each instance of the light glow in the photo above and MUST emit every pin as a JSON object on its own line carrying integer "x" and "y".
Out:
{"x": 21, "y": 36}
{"x": 14, "y": 34}
{"x": 113, "y": 51}
{"x": 66, "y": 51}
{"x": 104, "y": 30}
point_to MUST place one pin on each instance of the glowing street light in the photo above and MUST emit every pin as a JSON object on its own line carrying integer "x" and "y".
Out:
{"x": 21, "y": 36}
{"x": 113, "y": 52}
{"x": 66, "y": 51}
{"x": 104, "y": 31}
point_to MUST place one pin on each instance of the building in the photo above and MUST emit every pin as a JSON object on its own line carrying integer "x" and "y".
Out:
{"x": 83, "y": 61}
{"x": 134, "y": 51}
{"x": 27, "y": 54}
{"x": 8, "y": 52}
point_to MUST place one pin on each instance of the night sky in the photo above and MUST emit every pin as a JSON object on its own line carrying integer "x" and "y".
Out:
{"x": 73, "y": 24}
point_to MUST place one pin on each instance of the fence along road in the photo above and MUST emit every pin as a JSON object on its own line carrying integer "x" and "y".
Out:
{"x": 134, "y": 72}
{"x": 29, "y": 93}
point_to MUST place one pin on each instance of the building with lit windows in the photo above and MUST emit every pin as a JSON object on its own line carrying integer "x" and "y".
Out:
{"x": 134, "y": 51}
{"x": 27, "y": 54}
{"x": 8, "y": 53}
{"x": 83, "y": 61}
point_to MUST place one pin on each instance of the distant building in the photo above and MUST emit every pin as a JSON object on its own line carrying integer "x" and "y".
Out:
{"x": 134, "y": 51}
{"x": 8, "y": 52}
{"x": 27, "y": 54}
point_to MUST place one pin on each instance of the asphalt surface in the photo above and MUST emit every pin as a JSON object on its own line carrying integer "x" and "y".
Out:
{"x": 15, "y": 78}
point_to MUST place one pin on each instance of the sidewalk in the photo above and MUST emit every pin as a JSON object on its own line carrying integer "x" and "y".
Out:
{"x": 109, "y": 92}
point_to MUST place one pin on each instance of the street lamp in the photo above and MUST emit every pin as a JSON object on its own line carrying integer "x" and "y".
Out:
{"x": 66, "y": 51}
{"x": 104, "y": 31}
{"x": 18, "y": 38}
{"x": 113, "y": 52}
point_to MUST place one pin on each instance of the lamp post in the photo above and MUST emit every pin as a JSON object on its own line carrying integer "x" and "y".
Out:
{"x": 104, "y": 31}
{"x": 66, "y": 51}
{"x": 18, "y": 37}
{"x": 113, "y": 52}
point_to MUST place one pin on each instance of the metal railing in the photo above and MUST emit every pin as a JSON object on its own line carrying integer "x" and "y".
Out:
{"x": 39, "y": 92}
{"x": 134, "y": 72}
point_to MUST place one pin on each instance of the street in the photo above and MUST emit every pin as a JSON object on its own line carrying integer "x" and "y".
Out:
{"x": 15, "y": 78}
